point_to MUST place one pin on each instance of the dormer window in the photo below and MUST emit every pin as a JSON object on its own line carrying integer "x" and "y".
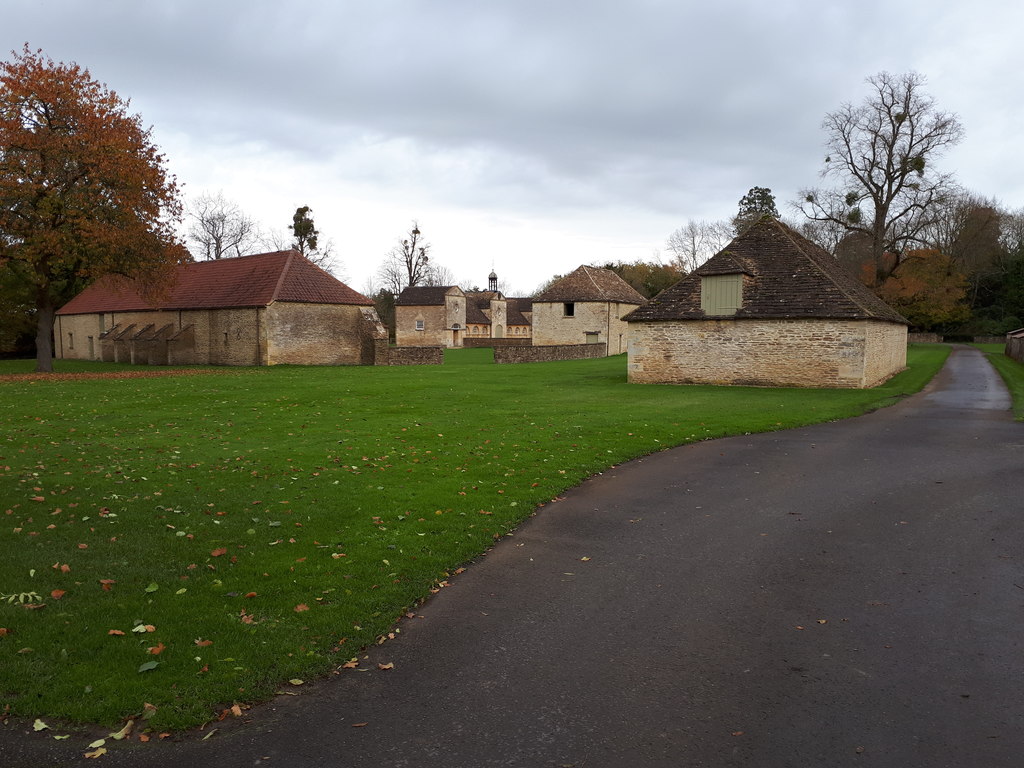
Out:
{"x": 721, "y": 295}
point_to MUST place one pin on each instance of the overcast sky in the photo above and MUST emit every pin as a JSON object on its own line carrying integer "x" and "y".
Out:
{"x": 530, "y": 136}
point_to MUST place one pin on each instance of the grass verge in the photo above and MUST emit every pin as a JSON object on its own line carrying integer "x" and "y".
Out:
{"x": 195, "y": 541}
{"x": 1012, "y": 373}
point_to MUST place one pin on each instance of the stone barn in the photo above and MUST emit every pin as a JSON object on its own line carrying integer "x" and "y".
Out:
{"x": 770, "y": 309}
{"x": 264, "y": 309}
{"x": 585, "y": 307}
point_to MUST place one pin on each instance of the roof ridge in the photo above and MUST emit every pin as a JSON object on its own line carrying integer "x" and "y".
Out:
{"x": 281, "y": 278}
{"x": 827, "y": 272}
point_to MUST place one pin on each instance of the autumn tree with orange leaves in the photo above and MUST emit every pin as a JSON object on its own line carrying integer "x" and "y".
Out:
{"x": 928, "y": 290}
{"x": 83, "y": 190}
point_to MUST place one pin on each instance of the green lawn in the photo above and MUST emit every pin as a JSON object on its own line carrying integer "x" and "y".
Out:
{"x": 1012, "y": 373}
{"x": 194, "y": 541}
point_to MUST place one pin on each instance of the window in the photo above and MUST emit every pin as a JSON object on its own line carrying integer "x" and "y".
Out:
{"x": 593, "y": 337}
{"x": 721, "y": 295}
{"x": 569, "y": 309}
{"x": 419, "y": 325}
{"x": 71, "y": 340}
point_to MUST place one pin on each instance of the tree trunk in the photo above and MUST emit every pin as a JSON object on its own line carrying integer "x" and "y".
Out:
{"x": 44, "y": 332}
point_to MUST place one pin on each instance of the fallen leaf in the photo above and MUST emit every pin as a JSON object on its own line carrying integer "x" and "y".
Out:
{"x": 203, "y": 643}
{"x": 124, "y": 732}
{"x": 106, "y": 584}
{"x": 296, "y": 681}
{"x": 250, "y": 594}
{"x": 389, "y": 665}
{"x": 359, "y": 725}
{"x": 4, "y": 632}
{"x": 301, "y": 607}
{"x": 157, "y": 649}
{"x": 149, "y": 666}
{"x": 115, "y": 632}
{"x": 97, "y": 753}
{"x": 83, "y": 546}
{"x": 143, "y": 737}
{"x": 57, "y": 594}
{"x": 39, "y": 725}
{"x": 236, "y": 710}
{"x": 61, "y": 736}
{"x": 219, "y": 551}
{"x": 98, "y": 743}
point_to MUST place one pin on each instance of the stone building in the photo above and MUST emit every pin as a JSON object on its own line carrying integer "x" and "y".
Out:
{"x": 430, "y": 316}
{"x": 447, "y": 316}
{"x": 518, "y": 314}
{"x": 770, "y": 309}
{"x": 264, "y": 309}
{"x": 585, "y": 307}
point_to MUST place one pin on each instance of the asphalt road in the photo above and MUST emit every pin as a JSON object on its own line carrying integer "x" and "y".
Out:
{"x": 848, "y": 594}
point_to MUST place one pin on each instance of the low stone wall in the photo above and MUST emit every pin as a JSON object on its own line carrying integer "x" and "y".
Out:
{"x": 989, "y": 339}
{"x": 549, "y": 353}
{"x": 1015, "y": 345}
{"x": 416, "y": 356}
{"x": 522, "y": 341}
{"x": 924, "y": 338}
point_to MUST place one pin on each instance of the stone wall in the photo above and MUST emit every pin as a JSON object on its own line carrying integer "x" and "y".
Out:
{"x": 435, "y": 327}
{"x": 314, "y": 334}
{"x": 285, "y": 332}
{"x": 551, "y": 325}
{"x": 924, "y": 338}
{"x": 521, "y": 354}
{"x": 989, "y": 339}
{"x": 786, "y": 353}
{"x": 483, "y": 341}
{"x": 416, "y": 356}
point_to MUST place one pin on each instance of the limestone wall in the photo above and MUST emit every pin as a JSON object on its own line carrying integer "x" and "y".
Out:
{"x": 552, "y": 326}
{"x": 416, "y": 356}
{"x": 520, "y": 354}
{"x": 313, "y": 334}
{"x": 508, "y": 341}
{"x": 435, "y": 327}
{"x": 787, "y": 353}
{"x": 285, "y": 332}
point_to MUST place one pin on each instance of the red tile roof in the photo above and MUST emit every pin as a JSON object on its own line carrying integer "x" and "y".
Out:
{"x": 247, "y": 281}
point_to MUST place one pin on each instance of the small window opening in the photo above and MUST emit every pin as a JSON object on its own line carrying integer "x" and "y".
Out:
{"x": 569, "y": 308}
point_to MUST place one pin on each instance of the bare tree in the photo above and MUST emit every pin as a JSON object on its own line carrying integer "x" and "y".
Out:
{"x": 219, "y": 229}
{"x": 697, "y": 241}
{"x": 881, "y": 152}
{"x": 407, "y": 264}
{"x": 827, "y": 234}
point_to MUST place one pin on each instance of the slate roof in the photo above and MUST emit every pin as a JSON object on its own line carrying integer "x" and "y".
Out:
{"x": 591, "y": 284}
{"x": 424, "y": 295}
{"x": 791, "y": 277}
{"x": 514, "y": 309}
{"x": 246, "y": 281}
